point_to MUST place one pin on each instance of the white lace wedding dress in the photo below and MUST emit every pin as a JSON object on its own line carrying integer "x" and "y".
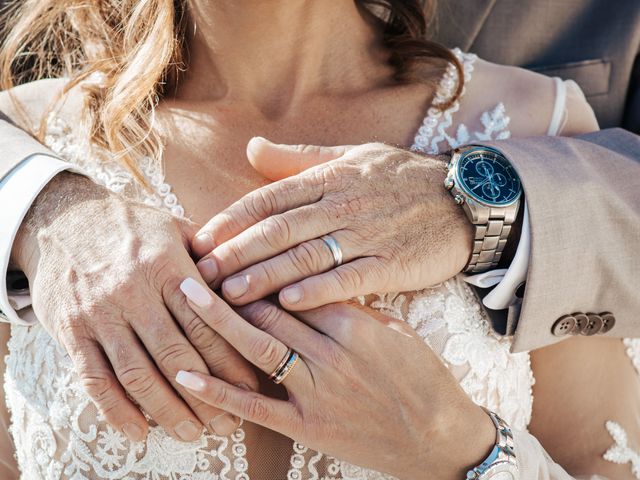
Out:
{"x": 59, "y": 435}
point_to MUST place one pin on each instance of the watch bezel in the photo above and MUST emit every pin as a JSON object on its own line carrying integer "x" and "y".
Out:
{"x": 462, "y": 154}
{"x": 501, "y": 467}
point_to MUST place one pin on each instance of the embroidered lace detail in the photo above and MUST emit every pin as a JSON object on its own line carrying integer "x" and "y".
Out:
{"x": 434, "y": 130}
{"x": 621, "y": 453}
{"x": 60, "y": 435}
{"x": 107, "y": 171}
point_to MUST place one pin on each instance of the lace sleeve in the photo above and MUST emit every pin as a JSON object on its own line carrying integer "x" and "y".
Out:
{"x": 535, "y": 463}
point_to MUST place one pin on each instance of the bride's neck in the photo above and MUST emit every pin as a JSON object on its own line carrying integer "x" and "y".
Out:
{"x": 274, "y": 54}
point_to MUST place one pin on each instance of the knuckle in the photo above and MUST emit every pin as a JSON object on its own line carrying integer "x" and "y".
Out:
{"x": 331, "y": 176}
{"x": 199, "y": 333}
{"x": 276, "y": 231}
{"x": 306, "y": 257}
{"x": 172, "y": 357}
{"x": 265, "y": 351}
{"x": 138, "y": 382}
{"x": 97, "y": 385}
{"x": 264, "y": 315}
{"x": 219, "y": 317}
{"x": 219, "y": 396}
{"x": 348, "y": 277}
{"x": 260, "y": 203}
{"x": 256, "y": 409}
{"x": 71, "y": 331}
{"x": 170, "y": 289}
{"x": 236, "y": 253}
{"x": 267, "y": 275}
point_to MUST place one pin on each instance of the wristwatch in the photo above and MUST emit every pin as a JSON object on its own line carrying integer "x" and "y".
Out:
{"x": 482, "y": 180}
{"x": 501, "y": 463}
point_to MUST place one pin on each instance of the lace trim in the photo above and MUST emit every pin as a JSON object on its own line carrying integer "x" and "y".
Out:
{"x": 105, "y": 170}
{"x": 495, "y": 122}
{"x": 439, "y": 121}
{"x": 621, "y": 453}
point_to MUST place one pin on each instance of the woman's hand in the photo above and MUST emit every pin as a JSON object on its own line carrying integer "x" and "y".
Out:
{"x": 397, "y": 226}
{"x": 366, "y": 389}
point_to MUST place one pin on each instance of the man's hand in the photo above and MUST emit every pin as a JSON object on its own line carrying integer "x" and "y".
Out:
{"x": 387, "y": 208}
{"x": 104, "y": 275}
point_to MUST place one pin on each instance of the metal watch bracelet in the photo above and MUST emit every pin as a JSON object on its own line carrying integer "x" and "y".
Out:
{"x": 502, "y": 455}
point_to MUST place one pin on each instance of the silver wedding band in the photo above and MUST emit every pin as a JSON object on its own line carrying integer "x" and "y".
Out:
{"x": 336, "y": 251}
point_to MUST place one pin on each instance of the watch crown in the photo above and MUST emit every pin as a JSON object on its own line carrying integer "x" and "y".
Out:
{"x": 449, "y": 183}
{"x": 459, "y": 199}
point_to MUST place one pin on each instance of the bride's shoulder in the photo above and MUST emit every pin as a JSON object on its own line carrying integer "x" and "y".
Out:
{"x": 531, "y": 100}
{"x": 27, "y": 104}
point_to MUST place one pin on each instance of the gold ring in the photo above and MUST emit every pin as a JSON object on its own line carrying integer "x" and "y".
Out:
{"x": 285, "y": 367}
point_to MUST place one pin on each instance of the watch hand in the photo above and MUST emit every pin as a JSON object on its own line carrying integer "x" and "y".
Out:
{"x": 481, "y": 184}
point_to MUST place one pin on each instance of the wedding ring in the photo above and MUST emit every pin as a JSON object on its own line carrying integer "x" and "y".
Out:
{"x": 285, "y": 367}
{"x": 334, "y": 246}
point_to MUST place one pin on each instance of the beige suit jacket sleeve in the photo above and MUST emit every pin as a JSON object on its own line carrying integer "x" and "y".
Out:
{"x": 15, "y": 146}
{"x": 584, "y": 204}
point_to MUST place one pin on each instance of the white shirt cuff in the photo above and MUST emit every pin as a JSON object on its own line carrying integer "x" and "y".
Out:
{"x": 18, "y": 190}
{"x": 507, "y": 281}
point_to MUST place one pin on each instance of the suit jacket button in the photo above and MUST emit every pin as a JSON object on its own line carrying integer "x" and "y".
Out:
{"x": 608, "y": 322}
{"x": 581, "y": 322}
{"x": 563, "y": 326}
{"x": 593, "y": 326}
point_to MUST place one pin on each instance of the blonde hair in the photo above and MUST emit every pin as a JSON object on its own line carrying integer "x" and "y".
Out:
{"x": 137, "y": 48}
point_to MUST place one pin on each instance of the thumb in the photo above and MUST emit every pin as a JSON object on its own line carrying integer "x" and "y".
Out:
{"x": 276, "y": 161}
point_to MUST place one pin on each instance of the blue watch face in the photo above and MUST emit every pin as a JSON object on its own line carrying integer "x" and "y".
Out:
{"x": 487, "y": 176}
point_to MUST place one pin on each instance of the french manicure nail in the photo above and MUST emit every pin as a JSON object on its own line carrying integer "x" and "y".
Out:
{"x": 224, "y": 424}
{"x": 208, "y": 268}
{"x": 292, "y": 295}
{"x": 187, "y": 431}
{"x": 196, "y": 292}
{"x": 132, "y": 431}
{"x": 191, "y": 381}
{"x": 236, "y": 286}
{"x": 204, "y": 242}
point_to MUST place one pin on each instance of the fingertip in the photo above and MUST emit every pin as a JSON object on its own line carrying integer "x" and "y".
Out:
{"x": 291, "y": 296}
{"x": 202, "y": 244}
{"x": 134, "y": 432}
{"x": 254, "y": 145}
{"x": 191, "y": 381}
{"x": 208, "y": 268}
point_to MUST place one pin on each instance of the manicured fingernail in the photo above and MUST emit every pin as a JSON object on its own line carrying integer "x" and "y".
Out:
{"x": 224, "y": 424}
{"x": 244, "y": 386}
{"x": 133, "y": 432}
{"x": 187, "y": 431}
{"x": 208, "y": 268}
{"x": 236, "y": 286}
{"x": 292, "y": 295}
{"x": 191, "y": 381}
{"x": 204, "y": 242}
{"x": 196, "y": 292}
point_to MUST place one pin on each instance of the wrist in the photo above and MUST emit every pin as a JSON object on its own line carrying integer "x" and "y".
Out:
{"x": 461, "y": 441}
{"x": 50, "y": 207}
{"x": 461, "y": 239}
